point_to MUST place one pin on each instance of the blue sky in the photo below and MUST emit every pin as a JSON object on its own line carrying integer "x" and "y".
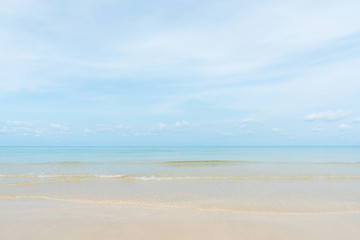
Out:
{"x": 179, "y": 72}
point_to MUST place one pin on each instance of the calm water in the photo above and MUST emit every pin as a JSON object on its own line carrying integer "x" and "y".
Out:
{"x": 237, "y": 178}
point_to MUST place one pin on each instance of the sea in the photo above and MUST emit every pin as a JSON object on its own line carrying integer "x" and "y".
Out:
{"x": 246, "y": 179}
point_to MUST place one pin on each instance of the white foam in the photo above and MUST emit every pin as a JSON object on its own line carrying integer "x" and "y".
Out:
{"x": 110, "y": 176}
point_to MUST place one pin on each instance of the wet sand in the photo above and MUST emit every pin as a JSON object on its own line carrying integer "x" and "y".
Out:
{"x": 53, "y": 193}
{"x": 37, "y": 219}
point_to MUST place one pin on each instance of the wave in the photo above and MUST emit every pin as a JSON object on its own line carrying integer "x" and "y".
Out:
{"x": 110, "y": 176}
{"x": 55, "y": 179}
{"x": 239, "y": 178}
{"x": 56, "y": 176}
{"x": 62, "y": 163}
{"x": 184, "y": 163}
{"x": 224, "y": 162}
{"x": 204, "y": 163}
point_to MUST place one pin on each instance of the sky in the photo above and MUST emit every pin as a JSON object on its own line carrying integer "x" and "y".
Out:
{"x": 179, "y": 73}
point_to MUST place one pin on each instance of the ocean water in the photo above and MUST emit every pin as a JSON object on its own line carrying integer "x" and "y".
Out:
{"x": 259, "y": 179}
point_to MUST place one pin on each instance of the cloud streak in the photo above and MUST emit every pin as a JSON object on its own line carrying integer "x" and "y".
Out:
{"x": 327, "y": 116}
{"x": 166, "y": 67}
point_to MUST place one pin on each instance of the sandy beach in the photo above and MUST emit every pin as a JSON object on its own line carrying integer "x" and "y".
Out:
{"x": 47, "y": 219}
{"x": 117, "y": 193}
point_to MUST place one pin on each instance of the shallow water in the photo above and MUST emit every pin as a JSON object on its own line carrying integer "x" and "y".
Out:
{"x": 261, "y": 179}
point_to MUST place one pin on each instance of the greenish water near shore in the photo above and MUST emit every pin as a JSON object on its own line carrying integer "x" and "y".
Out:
{"x": 298, "y": 179}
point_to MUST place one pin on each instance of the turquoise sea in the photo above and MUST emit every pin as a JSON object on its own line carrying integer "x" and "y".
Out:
{"x": 280, "y": 179}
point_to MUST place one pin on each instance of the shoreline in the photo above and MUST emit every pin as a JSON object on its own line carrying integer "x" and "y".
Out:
{"x": 114, "y": 204}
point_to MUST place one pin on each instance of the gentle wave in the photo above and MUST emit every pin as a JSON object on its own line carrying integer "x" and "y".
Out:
{"x": 222, "y": 162}
{"x": 184, "y": 163}
{"x": 204, "y": 163}
{"x": 45, "y": 176}
{"x": 234, "y": 178}
{"x": 53, "y": 179}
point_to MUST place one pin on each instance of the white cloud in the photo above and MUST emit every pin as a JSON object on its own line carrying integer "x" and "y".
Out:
{"x": 344, "y": 127}
{"x": 222, "y": 48}
{"x": 122, "y": 126}
{"x": 59, "y": 126}
{"x": 18, "y": 123}
{"x": 87, "y": 130}
{"x": 182, "y": 123}
{"x": 104, "y": 128}
{"x": 139, "y": 134}
{"x": 220, "y": 67}
{"x": 317, "y": 129}
{"x": 275, "y": 129}
{"x": 250, "y": 120}
{"x": 357, "y": 119}
{"x": 110, "y": 128}
{"x": 228, "y": 134}
{"x": 161, "y": 126}
{"x": 328, "y": 116}
{"x": 58, "y": 129}
{"x": 5, "y": 129}
{"x": 240, "y": 125}
{"x": 22, "y": 130}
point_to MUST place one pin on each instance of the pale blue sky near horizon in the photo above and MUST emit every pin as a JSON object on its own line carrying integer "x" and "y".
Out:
{"x": 239, "y": 73}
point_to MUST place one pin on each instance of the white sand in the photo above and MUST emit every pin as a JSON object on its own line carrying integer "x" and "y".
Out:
{"x": 34, "y": 219}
